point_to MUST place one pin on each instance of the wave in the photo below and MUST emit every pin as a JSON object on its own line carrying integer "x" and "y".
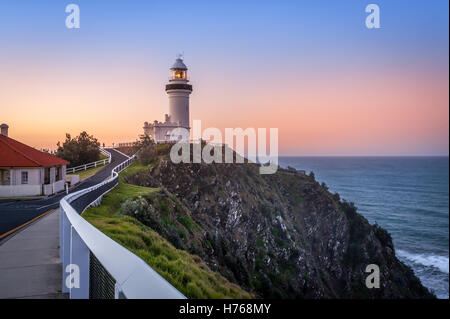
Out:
{"x": 439, "y": 262}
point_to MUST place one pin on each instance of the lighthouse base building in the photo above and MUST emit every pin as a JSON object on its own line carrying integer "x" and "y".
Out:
{"x": 178, "y": 89}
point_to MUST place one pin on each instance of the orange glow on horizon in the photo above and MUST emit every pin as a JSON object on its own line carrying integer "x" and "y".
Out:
{"x": 369, "y": 112}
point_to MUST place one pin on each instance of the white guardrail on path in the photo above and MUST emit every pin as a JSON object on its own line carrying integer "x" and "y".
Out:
{"x": 79, "y": 240}
{"x": 84, "y": 167}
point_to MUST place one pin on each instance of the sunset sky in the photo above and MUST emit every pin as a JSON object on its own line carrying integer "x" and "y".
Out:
{"x": 310, "y": 68}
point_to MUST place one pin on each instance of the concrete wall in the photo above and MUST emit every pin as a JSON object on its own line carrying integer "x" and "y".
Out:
{"x": 47, "y": 189}
{"x": 20, "y": 190}
{"x": 55, "y": 187}
{"x": 73, "y": 179}
{"x": 59, "y": 186}
{"x": 161, "y": 133}
{"x": 63, "y": 175}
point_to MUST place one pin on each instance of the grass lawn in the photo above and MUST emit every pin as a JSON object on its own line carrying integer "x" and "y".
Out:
{"x": 132, "y": 169}
{"x": 89, "y": 172}
{"x": 186, "y": 272}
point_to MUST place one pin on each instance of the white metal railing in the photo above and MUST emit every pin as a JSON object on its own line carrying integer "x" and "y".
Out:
{"x": 133, "y": 277}
{"x": 84, "y": 167}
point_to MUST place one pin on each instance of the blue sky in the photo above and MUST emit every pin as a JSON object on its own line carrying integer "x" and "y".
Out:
{"x": 243, "y": 42}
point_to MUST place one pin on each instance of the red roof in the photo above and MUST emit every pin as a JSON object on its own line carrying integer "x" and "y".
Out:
{"x": 16, "y": 154}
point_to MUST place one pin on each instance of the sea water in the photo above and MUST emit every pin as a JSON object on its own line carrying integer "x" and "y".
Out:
{"x": 408, "y": 196}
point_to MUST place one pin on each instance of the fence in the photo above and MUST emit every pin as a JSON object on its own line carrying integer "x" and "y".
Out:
{"x": 94, "y": 265}
{"x": 84, "y": 167}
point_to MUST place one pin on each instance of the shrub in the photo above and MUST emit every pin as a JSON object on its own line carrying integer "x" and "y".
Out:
{"x": 146, "y": 155}
{"x": 383, "y": 236}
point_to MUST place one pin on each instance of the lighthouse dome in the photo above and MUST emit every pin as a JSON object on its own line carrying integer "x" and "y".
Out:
{"x": 179, "y": 65}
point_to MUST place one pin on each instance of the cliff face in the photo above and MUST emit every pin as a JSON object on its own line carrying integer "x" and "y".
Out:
{"x": 282, "y": 235}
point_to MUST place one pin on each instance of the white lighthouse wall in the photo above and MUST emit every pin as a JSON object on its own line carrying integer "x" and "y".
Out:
{"x": 179, "y": 106}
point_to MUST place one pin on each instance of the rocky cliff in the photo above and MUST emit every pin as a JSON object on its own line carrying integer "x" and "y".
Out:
{"x": 277, "y": 236}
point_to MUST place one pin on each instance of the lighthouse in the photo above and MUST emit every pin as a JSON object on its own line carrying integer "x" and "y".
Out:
{"x": 178, "y": 90}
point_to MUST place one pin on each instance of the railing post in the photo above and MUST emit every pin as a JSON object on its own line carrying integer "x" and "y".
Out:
{"x": 61, "y": 236}
{"x": 79, "y": 256}
{"x": 65, "y": 245}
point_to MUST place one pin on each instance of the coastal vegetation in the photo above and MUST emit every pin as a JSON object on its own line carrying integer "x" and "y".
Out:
{"x": 186, "y": 272}
{"x": 80, "y": 150}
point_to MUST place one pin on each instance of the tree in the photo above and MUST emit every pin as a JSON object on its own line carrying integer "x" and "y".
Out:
{"x": 144, "y": 140}
{"x": 80, "y": 150}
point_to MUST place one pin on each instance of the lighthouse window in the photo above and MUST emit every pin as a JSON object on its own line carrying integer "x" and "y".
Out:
{"x": 179, "y": 74}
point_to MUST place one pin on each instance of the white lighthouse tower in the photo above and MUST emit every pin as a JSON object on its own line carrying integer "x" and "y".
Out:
{"x": 178, "y": 89}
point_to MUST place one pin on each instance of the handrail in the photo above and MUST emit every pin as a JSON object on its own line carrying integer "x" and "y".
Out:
{"x": 84, "y": 167}
{"x": 134, "y": 277}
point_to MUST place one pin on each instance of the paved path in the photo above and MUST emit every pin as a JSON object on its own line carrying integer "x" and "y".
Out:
{"x": 29, "y": 258}
{"x": 29, "y": 261}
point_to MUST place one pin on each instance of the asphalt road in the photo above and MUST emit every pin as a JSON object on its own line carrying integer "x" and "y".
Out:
{"x": 16, "y": 213}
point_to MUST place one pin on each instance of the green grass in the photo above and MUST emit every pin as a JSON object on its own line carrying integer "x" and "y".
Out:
{"x": 88, "y": 173}
{"x": 112, "y": 201}
{"x": 186, "y": 272}
{"x": 91, "y": 171}
{"x": 187, "y": 222}
{"x": 133, "y": 169}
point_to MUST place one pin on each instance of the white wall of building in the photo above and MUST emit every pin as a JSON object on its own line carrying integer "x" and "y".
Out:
{"x": 34, "y": 176}
{"x": 35, "y": 183}
{"x": 162, "y": 133}
{"x": 20, "y": 190}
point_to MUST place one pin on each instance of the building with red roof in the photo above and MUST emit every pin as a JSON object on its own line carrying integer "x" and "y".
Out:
{"x": 25, "y": 171}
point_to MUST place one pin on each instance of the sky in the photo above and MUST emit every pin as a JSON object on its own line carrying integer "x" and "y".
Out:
{"x": 309, "y": 68}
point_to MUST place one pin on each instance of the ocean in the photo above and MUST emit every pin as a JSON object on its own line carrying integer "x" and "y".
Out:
{"x": 408, "y": 196}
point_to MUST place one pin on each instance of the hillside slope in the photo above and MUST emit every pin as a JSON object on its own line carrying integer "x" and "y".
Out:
{"x": 279, "y": 236}
{"x": 188, "y": 273}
